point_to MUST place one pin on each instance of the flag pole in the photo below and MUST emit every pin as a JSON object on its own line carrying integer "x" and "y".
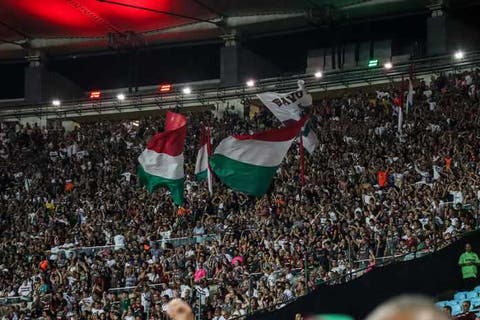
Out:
{"x": 400, "y": 108}
{"x": 209, "y": 152}
{"x": 410, "y": 88}
{"x": 302, "y": 161}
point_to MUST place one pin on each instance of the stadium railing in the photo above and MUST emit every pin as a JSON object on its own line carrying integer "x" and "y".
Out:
{"x": 147, "y": 101}
{"x": 175, "y": 242}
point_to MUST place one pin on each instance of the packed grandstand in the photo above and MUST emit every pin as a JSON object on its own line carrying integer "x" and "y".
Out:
{"x": 81, "y": 238}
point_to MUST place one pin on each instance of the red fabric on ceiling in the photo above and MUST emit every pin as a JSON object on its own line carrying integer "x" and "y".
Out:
{"x": 89, "y": 18}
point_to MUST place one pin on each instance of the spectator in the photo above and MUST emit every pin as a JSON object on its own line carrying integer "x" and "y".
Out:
{"x": 466, "y": 314}
{"x": 468, "y": 262}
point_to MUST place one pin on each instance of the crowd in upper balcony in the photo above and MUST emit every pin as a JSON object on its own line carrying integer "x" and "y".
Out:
{"x": 370, "y": 192}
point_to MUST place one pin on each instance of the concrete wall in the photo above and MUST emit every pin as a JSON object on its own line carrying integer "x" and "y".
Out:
{"x": 40, "y": 121}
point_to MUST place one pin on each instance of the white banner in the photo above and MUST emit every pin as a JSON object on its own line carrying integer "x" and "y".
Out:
{"x": 286, "y": 106}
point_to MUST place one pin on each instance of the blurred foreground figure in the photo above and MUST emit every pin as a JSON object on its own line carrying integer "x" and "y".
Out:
{"x": 408, "y": 307}
{"x": 177, "y": 309}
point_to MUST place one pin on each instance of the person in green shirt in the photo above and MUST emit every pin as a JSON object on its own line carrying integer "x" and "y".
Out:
{"x": 468, "y": 262}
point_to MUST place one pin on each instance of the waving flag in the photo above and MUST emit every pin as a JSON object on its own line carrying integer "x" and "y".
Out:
{"x": 310, "y": 140}
{"x": 410, "y": 93}
{"x": 248, "y": 163}
{"x": 288, "y": 107}
{"x": 202, "y": 170}
{"x": 161, "y": 163}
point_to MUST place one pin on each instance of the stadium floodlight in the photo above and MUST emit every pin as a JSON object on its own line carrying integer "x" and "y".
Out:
{"x": 120, "y": 97}
{"x": 251, "y": 83}
{"x": 388, "y": 65}
{"x": 187, "y": 90}
{"x": 459, "y": 55}
{"x": 318, "y": 74}
{"x": 56, "y": 103}
{"x": 373, "y": 63}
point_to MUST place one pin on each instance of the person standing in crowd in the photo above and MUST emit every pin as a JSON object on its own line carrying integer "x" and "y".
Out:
{"x": 468, "y": 262}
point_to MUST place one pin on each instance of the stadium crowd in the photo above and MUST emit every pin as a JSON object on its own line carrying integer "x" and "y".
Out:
{"x": 369, "y": 193}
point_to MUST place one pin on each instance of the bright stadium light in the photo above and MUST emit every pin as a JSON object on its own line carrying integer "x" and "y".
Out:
{"x": 251, "y": 83}
{"x": 459, "y": 55}
{"x": 318, "y": 74}
{"x": 388, "y": 65}
{"x": 56, "y": 103}
{"x": 187, "y": 90}
{"x": 120, "y": 97}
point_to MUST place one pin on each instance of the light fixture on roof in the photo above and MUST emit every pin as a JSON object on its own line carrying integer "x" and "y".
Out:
{"x": 120, "y": 97}
{"x": 166, "y": 87}
{"x": 373, "y": 63}
{"x": 459, "y": 55}
{"x": 56, "y": 103}
{"x": 95, "y": 94}
{"x": 187, "y": 90}
{"x": 388, "y": 65}
{"x": 318, "y": 74}
{"x": 251, "y": 83}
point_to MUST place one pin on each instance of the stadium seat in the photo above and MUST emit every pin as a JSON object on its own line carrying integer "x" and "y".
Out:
{"x": 456, "y": 308}
{"x": 472, "y": 295}
{"x": 475, "y": 303}
{"x": 477, "y": 288}
{"x": 460, "y": 296}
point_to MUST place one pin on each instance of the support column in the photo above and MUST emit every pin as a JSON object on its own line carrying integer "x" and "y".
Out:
{"x": 33, "y": 77}
{"x": 230, "y": 60}
{"x": 437, "y": 36}
{"x": 237, "y": 63}
{"x": 42, "y": 85}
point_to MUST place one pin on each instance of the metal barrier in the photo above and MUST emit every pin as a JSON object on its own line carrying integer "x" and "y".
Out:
{"x": 185, "y": 241}
{"x": 175, "y": 242}
{"x": 14, "y": 300}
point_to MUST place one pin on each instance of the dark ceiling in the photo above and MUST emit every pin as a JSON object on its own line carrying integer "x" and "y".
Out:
{"x": 64, "y": 26}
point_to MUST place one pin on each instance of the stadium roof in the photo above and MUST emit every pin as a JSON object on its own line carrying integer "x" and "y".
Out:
{"x": 66, "y": 26}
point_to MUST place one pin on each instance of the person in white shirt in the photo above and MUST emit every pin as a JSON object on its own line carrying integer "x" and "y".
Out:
{"x": 97, "y": 309}
{"x": 119, "y": 241}
{"x": 166, "y": 291}
{"x": 199, "y": 230}
{"x": 203, "y": 292}
{"x": 25, "y": 289}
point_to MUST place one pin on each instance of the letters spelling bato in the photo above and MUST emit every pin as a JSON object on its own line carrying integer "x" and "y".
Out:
{"x": 291, "y": 98}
